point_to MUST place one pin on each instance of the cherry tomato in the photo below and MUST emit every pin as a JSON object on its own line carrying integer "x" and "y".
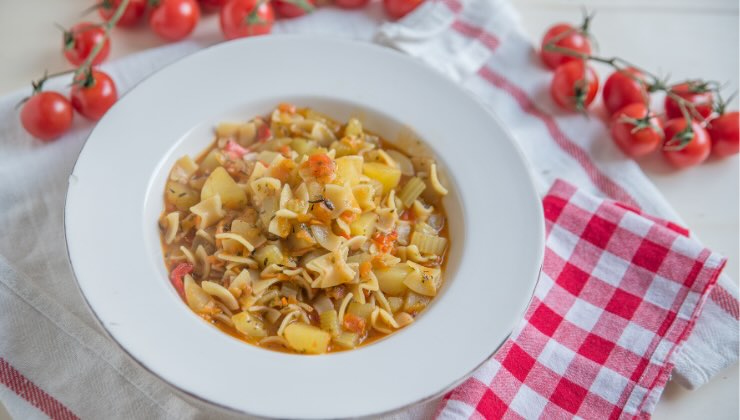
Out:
{"x": 173, "y": 20}
{"x": 135, "y": 10}
{"x": 396, "y": 9}
{"x": 695, "y": 92}
{"x": 93, "y": 96}
{"x": 636, "y": 133}
{"x": 293, "y": 8}
{"x": 574, "y": 40}
{"x": 696, "y": 145}
{"x": 624, "y": 87}
{"x": 351, "y": 4}
{"x": 238, "y": 21}
{"x": 213, "y": 4}
{"x": 81, "y": 40}
{"x": 724, "y": 133}
{"x": 574, "y": 85}
{"x": 46, "y": 115}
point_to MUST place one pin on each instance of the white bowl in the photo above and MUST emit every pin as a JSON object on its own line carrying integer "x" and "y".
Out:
{"x": 116, "y": 195}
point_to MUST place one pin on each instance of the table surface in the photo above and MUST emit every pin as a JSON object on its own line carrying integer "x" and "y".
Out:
{"x": 695, "y": 39}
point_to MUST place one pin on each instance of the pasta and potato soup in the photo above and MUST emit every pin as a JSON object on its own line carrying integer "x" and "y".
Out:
{"x": 300, "y": 234}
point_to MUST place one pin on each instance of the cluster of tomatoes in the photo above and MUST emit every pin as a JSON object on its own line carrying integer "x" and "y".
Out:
{"x": 47, "y": 115}
{"x": 694, "y": 122}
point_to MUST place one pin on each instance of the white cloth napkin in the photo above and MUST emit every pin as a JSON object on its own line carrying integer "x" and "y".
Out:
{"x": 54, "y": 358}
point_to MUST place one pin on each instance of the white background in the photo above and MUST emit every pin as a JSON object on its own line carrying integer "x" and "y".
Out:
{"x": 683, "y": 38}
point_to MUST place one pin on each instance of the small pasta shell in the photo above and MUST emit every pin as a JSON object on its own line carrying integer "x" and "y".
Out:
{"x": 221, "y": 293}
{"x": 434, "y": 179}
{"x": 173, "y": 225}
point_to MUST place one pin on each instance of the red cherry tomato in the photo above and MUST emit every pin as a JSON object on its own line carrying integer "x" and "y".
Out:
{"x": 238, "y": 21}
{"x": 173, "y": 20}
{"x": 81, "y": 40}
{"x": 46, "y": 115}
{"x": 293, "y": 8}
{"x": 636, "y": 133}
{"x": 574, "y": 40}
{"x": 695, "y": 92}
{"x": 689, "y": 151}
{"x": 213, "y": 4}
{"x": 574, "y": 85}
{"x": 135, "y": 10}
{"x": 624, "y": 87}
{"x": 396, "y": 9}
{"x": 351, "y": 4}
{"x": 94, "y": 96}
{"x": 724, "y": 133}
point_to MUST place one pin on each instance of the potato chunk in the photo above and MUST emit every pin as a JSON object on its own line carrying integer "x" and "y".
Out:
{"x": 386, "y": 175}
{"x": 181, "y": 196}
{"x": 391, "y": 280}
{"x": 221, "y": 183}
{"x": 307, "y": 338}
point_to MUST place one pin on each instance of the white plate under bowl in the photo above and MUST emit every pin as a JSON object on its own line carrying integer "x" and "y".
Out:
{"x": 115, "y": 196}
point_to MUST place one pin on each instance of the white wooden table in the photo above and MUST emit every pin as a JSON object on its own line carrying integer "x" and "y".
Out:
{"x": 686, "y": 38}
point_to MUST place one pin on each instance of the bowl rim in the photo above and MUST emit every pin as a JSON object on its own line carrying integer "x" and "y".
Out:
{"x": 530, "y": 182}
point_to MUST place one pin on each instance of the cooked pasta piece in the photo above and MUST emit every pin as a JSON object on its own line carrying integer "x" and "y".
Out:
{"x": 209, "y": 211}
{"x": 433, "y": 178}
{"x": 173, "y": 225}
{"x": 221, "y": 293}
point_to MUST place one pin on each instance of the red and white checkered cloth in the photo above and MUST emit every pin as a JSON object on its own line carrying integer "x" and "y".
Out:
{"x": 618, "y": 295}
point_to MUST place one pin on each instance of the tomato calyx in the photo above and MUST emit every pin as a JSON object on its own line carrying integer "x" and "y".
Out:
{"x": 699, "y": 86}
{"x": 254, "y": 18}
{"x": 69, "y": 38}
{"x": 304, "y": 5}
{"x": 69, "y": 34}
{"x": 85, "y": 80}
{"x": 642, "y": 123}
{"x": 580, "y": 93}
{"x": 720, "y": 104}
{"x": 105, "y": 4}
{"x": 582, "y": 29}
{"x": 680, "y": 140}
{"x": 38, "y": 86}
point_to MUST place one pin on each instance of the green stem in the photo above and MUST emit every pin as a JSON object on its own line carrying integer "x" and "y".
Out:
{"x": 108, "y": 26}
{"x": 621, "y": 64}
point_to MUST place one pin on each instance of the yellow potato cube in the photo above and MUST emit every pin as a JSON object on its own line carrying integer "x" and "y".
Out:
{"x": 221, "y": 183}
{"x": 306, "y": 338}
{"x": 386, "y": 175}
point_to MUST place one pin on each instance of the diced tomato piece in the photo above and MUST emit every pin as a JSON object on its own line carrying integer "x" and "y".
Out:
{"x": 385, "y": 242}
{"x": 354, "y": 323}
{"x": 235, "y": 149}
{"x": 177, "y": 275}
{"x": 263, "y": 132}
{"x": 408, "y": 215}
{"x": 285, "y": 150}
{"x": 321, "y": 167}
{"x": 348, "y": 216}
{"x": 286, "y": 107}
